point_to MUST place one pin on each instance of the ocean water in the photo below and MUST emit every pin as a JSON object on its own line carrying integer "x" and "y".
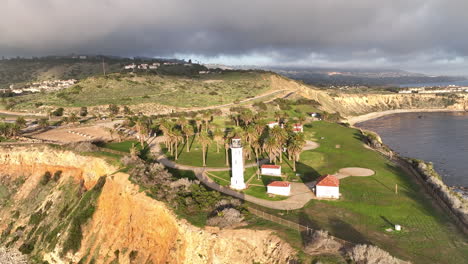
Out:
{"x": 441, "y": 138}
{"x": 432, "y": 84}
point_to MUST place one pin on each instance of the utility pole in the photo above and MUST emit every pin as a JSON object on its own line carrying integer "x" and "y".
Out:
{"x": 103, "y": 67}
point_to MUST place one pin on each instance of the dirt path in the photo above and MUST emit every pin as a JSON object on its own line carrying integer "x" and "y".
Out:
{"x": 300, "y": 192}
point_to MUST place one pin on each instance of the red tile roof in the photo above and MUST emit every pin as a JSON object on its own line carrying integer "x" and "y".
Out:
{"x": 279, "y": 184}
{"x": 298, "y": 125}
{"x": 273, "y": 122}
{"x": 328, "y": 180}
{"x": 297, "y": 129}
{"x": 267, "y": 166}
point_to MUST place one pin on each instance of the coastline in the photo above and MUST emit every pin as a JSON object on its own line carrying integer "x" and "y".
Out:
{"x": 353, "y": 120}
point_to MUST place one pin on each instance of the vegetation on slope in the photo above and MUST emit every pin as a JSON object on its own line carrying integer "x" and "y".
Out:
{"x": 17, "y": 71}
{"x": 131, "y": 89}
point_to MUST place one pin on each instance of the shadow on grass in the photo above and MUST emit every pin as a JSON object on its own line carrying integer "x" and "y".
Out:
{"x": 346, "y": 231}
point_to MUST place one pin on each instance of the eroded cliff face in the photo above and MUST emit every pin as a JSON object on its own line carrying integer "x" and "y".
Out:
{"x": 358, "y": 104}
{"x": 126, "y": 227}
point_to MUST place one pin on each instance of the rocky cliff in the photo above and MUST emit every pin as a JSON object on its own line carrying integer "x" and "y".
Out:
{"x": 357, "y": 104}
{"x": 85, "y": 212}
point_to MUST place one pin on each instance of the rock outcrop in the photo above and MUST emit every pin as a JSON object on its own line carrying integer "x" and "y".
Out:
{"x": 127, "y": 226}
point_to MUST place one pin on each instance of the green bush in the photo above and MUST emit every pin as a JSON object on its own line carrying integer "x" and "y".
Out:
{"x": 57, "y": 175}
{"x": 45, "y": 178}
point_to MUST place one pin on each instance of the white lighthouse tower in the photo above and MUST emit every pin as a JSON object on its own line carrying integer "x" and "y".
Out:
{"x": 237, "y": 179}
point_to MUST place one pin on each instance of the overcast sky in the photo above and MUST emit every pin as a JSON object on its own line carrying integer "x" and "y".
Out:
{"x": 420, "y": 35}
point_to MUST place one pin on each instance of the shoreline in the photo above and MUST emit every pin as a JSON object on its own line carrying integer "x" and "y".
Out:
{"x": 366, "y": 117}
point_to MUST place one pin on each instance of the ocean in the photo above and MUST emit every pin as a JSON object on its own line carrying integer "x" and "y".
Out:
{"x": 441, "y": 138}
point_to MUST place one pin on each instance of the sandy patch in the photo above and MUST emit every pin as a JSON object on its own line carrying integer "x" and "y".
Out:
{"x": 310, "y": 145}
{"x": 358, "y": 172}
{"x": 75, "y": 134}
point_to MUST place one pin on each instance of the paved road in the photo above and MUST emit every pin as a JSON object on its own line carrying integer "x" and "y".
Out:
{"x": 301, "y": 193}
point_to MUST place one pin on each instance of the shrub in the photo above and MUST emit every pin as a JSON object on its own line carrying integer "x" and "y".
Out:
{"x": 58, "y": 112}
{"x": 368, "y": 254}
{"x": 57, "y": 175}
{"x": 228, "y": 217}
{"x": 320, "y": 240}
{"x": 45, "y": 178}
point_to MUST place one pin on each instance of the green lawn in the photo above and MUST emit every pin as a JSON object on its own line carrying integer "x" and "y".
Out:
{"x": 123, "y": 146}
{"x": 369, "y": 204}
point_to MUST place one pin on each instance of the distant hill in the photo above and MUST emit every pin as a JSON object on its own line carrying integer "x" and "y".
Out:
{"x": 325, "y": 77}
{"x": 18, "y": 71}
{"x": 202, "y": 90}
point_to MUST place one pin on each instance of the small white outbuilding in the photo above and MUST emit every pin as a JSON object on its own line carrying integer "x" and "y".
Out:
{"x": 328, "y": 186}
{"x": 272, "y": 124}
{"x": 271, "y": 170}
{"x": 279, "y": 188}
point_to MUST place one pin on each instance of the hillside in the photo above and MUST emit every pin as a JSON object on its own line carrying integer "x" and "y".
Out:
{"x": 104, "y": 218}
{"x": 18, "y": 71}
{"x": 133, "y": 89}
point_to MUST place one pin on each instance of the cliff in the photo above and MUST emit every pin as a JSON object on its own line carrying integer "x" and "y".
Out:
{"x": 358, "y": 104}
{"x": 90, "y": 213}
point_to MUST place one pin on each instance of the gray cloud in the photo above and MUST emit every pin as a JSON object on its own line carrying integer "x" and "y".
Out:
{"x": 427, "y": 35}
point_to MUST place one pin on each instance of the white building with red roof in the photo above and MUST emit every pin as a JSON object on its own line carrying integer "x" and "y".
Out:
{"x": 298, "y": 128}
{"x": 328, "y": 186}
{"x": 272, "y": 124}
{"x": 272, "y": 170}
{"x": 279, "y": 188}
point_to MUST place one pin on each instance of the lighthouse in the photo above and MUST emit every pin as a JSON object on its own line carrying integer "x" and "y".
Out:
{"x": 237, "y": 179}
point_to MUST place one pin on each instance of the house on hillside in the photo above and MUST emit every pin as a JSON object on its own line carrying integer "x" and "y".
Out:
{"x": 271, "y": 170}
{"x": 279, "y": 188}
{"x": 328, "y": 186}
{"x": 272, "y": 124}
{"x": 298, "y": 128}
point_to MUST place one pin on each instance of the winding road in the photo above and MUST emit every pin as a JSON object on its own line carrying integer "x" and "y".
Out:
{"x": 301, "y": 193}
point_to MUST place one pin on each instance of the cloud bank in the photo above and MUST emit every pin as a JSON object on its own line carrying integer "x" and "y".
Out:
{"x": 424, "y": 35}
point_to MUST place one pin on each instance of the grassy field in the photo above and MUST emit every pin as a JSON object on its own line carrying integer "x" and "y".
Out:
{"x": 369, "y": 204}
{"x": 125, "y": 89}
{"x": 123, "y": 146}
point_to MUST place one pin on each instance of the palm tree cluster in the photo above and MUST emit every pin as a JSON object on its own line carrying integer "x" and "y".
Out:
{"x": 252, "y": 129}
{"x": 11, "y": 130}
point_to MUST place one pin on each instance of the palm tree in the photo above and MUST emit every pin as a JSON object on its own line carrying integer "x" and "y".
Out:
{"x": 226, "y": 148}
{"x": 218, "y": 137}
{"x": 246, "y": 116}
{"x": 73, "y": 118}
{"x": 43, "y": 122}
{"x": 205, "y": 141}
{"x": 188, "y": 132}
{"x": 206, "y": 118}
{"x": 141, "y": 130}
{"x": 295, "y": 146}
{"x": 278, "y": 116}
{"x": 271, "y": 147}
{"x": 21, "y": 122}
{"x": 198, "y": 122}
{"x": 280, "y": 136}
{"x": 182, "y": 121}
{"x": 176, "y": 137}
{"x": 256, "y": 147}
